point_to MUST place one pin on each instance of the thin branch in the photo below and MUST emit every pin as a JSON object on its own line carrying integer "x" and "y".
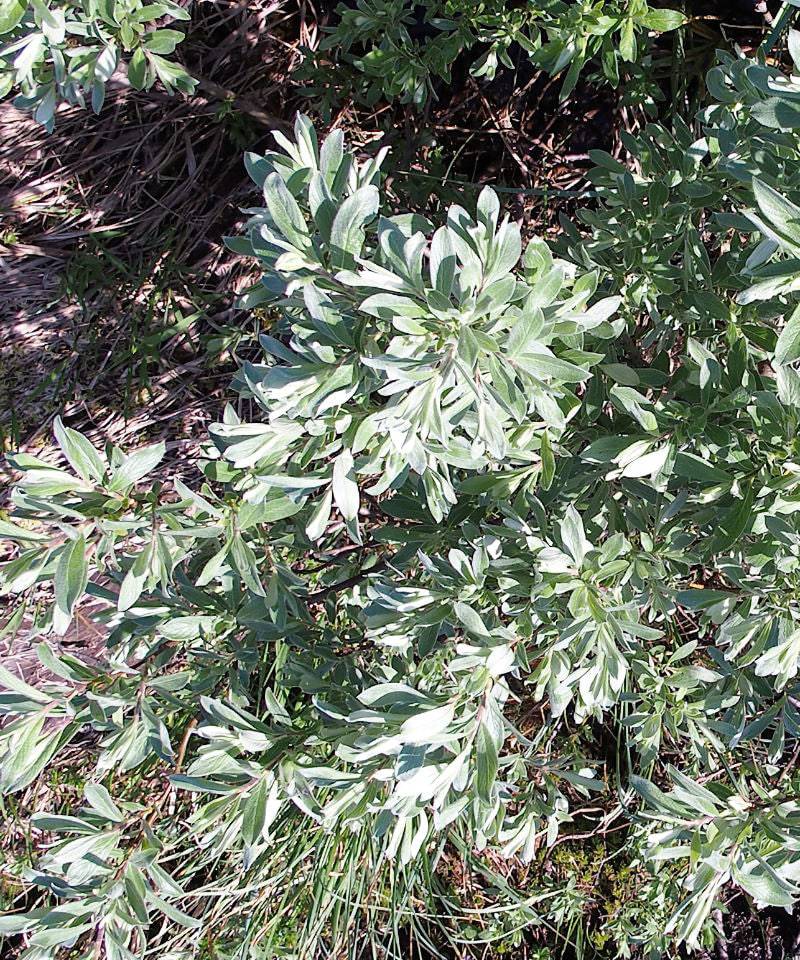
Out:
{"x": 320, "y": 595}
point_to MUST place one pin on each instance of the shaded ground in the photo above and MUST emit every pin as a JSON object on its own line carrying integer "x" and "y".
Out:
{"x": 752, "y": 935}
{"x": 117, "y": 289}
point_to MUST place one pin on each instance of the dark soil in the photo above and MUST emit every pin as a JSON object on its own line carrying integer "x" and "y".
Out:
{"x": 756, "y": 935}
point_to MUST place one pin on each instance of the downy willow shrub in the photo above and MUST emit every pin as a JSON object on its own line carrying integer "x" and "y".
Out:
{"x": 66, "y": 52}
{"x": 491, "y": 509}
{"x": 398, "y": 49}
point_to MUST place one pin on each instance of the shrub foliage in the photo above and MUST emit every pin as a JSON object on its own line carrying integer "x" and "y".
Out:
{"x": 495, "y": 533}
{"x": 398, "y": 49}
{"x": 66, "y": 52}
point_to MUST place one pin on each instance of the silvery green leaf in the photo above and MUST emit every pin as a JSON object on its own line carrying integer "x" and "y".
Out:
{"x": 48, "y": 481}
{"x": 331, "y": 156}
{"x": 788, "y": 383}
{"x": 658, "y": 800}
{"x": 244, "y": 560}
{"x": 82, "y": 456}
{"x": 53, "y": 21}
{"x": 488, "y": 209}
{"x": 344, "y": 486}
{"x": 443, "y": 262}
{"x": 470, "y": 619}
{"x": 181, "y": 918}
{"x": 781, "y": 660}
{"x": 546, "y": 366}
{"x": 322, "y": 206}
{"x": 31, "y": 750}
{"x": 135, "y": 466}
{"x": 781, "y": 216}
{"x": 485, "y": 764}
{"x": 10, "y": 681}
{"x": 62, "y": 824}
{"x": 134, "y": 580}
{"x": 347, "y": 231}
{"x": 11, "y": 12}
{"x": 766, "y": 887}
{"x": 636, "y": 405}
{"x": 787, "y": 348}
{"x": 267, "y": 511}
{"x": 573, "y": 535}
{"x": 254, "y": 813}
{"x": 598, "y": 313}
{"x": 318, "y": 521}
{"x": 285, "y": 212}
{"x": 648, "y": 464}
{"x": 427, "y": 723}
{"x": 71, "y": 577}
{"x": 100, "y": 801}
{"x": 778, "y": 113}
{"x": 505, "y": 252}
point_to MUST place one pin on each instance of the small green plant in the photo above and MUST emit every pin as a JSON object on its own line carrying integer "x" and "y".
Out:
{"x": 67, "y": 52}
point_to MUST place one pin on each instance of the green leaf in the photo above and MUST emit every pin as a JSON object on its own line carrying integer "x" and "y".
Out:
{"x": 10, "y": 531}
{"x": 658, "y": 800}
{"x": 11, "y": 682}
{"x": 11, "y": 12}
{"x": 627, "y": 40}
{"x": 702, "y": 599}
{"x": 136, "y": 890}
{"x": 268, "y": 511}
{"x": 71, "y": 576}
{"x": 285, "y": 212}
{"x": 662, "y": 21}
{"x": 779, "y": 214}
{"x": 181, "y": 918}
{"x": 53, "y": 21}
{"x": 82, "y": 456}
{"x": 427, "y": 723}
{"x": 443, "y": 261}
{"x": 471, "y": 619}
{"x": 766, "y": 887}
{"x": 777, "y": 113}
{"x": 486, "y": 761}
{"x": 136, "y": 466}
{"x": 100, "y": 800}
{"x": 318, "y": 521}
{"x": 137, "y": 69}
{"x": 573, "y": 535}
{"x": 135, "y": 579}
{"x": 548, "y": 462}
{"x": 736, "y": 520}
{"x": 347, "y": 232}
{"x": 245, "y": 562}
{"x": 692, "y": 467}
{"x": 545, "y": 367}
{"x": 635, "y": 405}
{"x": 787, "y": 348}
{"x": 162, "y": 41}
{"x": 254, "y": 813}
{"x": 345, "y": 488}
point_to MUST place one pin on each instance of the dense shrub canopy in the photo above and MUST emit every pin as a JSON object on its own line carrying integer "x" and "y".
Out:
{"x": 498, "y": 533}
{"x": 396, "y": 56}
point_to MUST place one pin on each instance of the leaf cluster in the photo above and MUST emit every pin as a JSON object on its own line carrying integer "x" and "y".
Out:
{"x": 53, "y": 53}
